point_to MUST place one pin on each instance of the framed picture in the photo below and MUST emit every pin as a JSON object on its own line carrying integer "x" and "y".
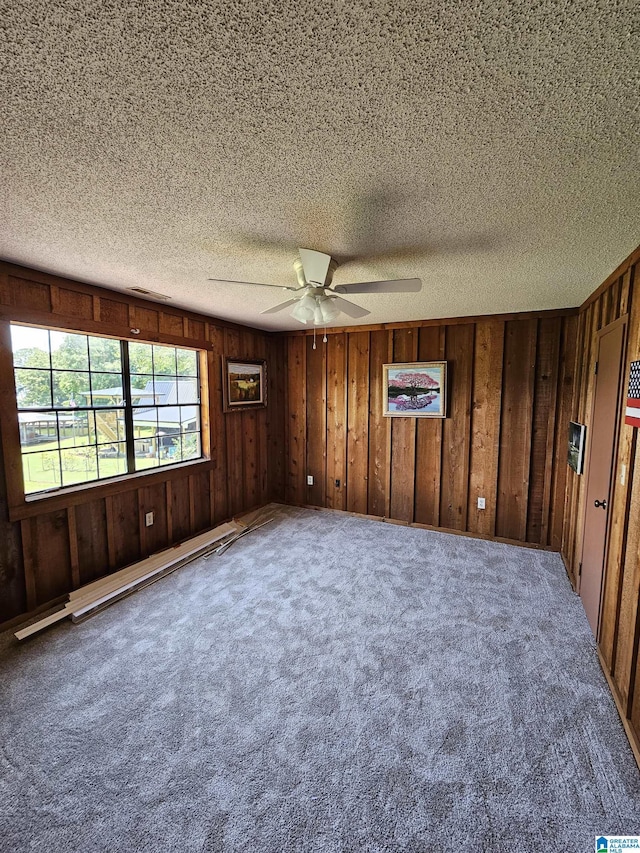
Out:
{"x": 576, "y": 446}
{"x": 415, "y": 390}
{"x": 244, "y": 384}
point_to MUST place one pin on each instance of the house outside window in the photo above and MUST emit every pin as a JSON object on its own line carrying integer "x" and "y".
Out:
{"x": 92, "y": 408}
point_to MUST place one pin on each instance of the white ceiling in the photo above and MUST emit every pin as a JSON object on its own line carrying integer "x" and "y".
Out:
{"x": 490, "y": 149}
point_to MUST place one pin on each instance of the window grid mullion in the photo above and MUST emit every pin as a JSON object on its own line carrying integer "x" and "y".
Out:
{"x": 128, "y": 408}
{"x": 91, "y": 448}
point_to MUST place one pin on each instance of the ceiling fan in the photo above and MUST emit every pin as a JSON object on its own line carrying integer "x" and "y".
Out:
{"x": 316, "y": 301}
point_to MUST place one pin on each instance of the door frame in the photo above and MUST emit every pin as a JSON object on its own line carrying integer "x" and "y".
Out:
{"x": 621, "y": 321}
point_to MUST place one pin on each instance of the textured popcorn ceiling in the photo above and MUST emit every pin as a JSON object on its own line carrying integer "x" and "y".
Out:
{"x": 489, "y": 148}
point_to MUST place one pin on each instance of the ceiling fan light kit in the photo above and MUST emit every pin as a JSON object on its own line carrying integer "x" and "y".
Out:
{"x": 319, "y": 303}
{"x": 315, "y": 308}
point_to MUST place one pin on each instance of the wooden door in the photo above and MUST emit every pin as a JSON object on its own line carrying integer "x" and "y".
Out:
{"x": 602, "y": 444}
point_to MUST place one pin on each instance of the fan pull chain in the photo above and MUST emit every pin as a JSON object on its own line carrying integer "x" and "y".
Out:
{"x": 324, "y": 339}
{"x": 314, "y": 338}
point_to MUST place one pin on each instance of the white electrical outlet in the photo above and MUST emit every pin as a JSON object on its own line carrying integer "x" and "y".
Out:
{"x": 309, "y": 479}
{"x": 481, "y": 503}
{"x": 148, "y": 519}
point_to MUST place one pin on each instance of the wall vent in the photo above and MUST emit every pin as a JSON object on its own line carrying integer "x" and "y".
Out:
{"x": 149, "y": 293}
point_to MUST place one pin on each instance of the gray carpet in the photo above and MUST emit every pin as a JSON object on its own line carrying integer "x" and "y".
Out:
{"x": 329, "y": 684}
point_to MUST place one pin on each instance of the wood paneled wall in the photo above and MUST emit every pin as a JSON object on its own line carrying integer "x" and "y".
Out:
{"x": 57, "y": 543}
{"x": 510, "y": 388}
{"x": 619, "y": 631}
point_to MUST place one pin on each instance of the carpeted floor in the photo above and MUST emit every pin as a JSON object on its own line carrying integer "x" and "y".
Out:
{"x": 329, "y": 684}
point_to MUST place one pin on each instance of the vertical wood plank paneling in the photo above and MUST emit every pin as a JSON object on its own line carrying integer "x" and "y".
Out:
{"x": 456, "y": 432}
{"x": 336, "y": 457}
{"x": 622, "y": 577}
{"x": 316, "y": 384}
{"x": 275, "y": 422}
{"x": 621, "y": 512}
{"x": 403, "y": 438}
{"x": 168, "y": 493}
{"x": 10, "y": 433}
{"x": 616, "y": 289}
{"x": 200, "y": 489}
{"x": 126, "y": 528}
{"x": 263, "y": 426}
{"x": 563, "y": 416}
{"x": 621, "y": 509}
{"x": 13, "y": 597}
{"x": 234, "y": 435}
{"x": 357, "y": 421}
{"x": 218, "y": 423}
{"x": 627, "y": 626}
{"x": 250, "y": 459}
{"x": 178, "y": 506}
{"x": 110, "y": 514}
{"x": 634, "y": 700}
{"x": 74, "y": 558}
{"x": 485, "y": 425}
{"x": 210, "y": 503}
{"x": 455, "y": 487}
{"x": 431, "y": 347}
{"x": 606, "y": 309}
{"x": 543, "y": 433}
{"x": 93, "y": 544}
{"x": 296, "y": 426}
{"x": 249, "y": 427}
{"x": 27, "y": 526}
{"x": 154, "y": 499}
{"x": 379, "y": 484}
{"x": 51, "y": 556}
{"x": 515, "y": 438}
{"x": 625, "y": 292}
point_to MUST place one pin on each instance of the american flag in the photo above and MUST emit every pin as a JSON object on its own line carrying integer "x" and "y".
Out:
{"x": 632, "y": 415}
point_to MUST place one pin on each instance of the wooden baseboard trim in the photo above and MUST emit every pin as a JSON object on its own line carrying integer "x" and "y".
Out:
{"x": 111, "y": 588}
{"x": 567, "y": 568}
{"x": 420, "y": 526}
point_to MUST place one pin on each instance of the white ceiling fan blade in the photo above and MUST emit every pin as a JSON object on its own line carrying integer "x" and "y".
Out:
{"x": 279, "y": 307}
{"x": 315, "y": 265}
{"x": 349, "y": 308}
{"x": 399, "y": 285}
{"x": 253, "y": 283}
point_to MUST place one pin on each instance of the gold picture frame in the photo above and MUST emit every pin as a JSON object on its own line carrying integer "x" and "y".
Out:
{"x": 416, "y": 389}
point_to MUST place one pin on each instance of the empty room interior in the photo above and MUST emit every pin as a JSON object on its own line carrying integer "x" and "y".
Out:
{"x": 319, "y": 462}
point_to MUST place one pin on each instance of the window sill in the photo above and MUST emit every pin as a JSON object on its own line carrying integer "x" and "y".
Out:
{"x": 42, "y": 503}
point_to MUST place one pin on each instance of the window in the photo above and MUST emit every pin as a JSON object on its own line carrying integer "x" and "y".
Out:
{"x": 90, "y": 408}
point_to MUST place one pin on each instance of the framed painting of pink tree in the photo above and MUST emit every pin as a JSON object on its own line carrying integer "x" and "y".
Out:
{"x": 415, "y": 390}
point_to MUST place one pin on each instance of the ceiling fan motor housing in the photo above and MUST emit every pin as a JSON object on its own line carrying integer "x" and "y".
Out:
{"x": 303, "y": 282}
